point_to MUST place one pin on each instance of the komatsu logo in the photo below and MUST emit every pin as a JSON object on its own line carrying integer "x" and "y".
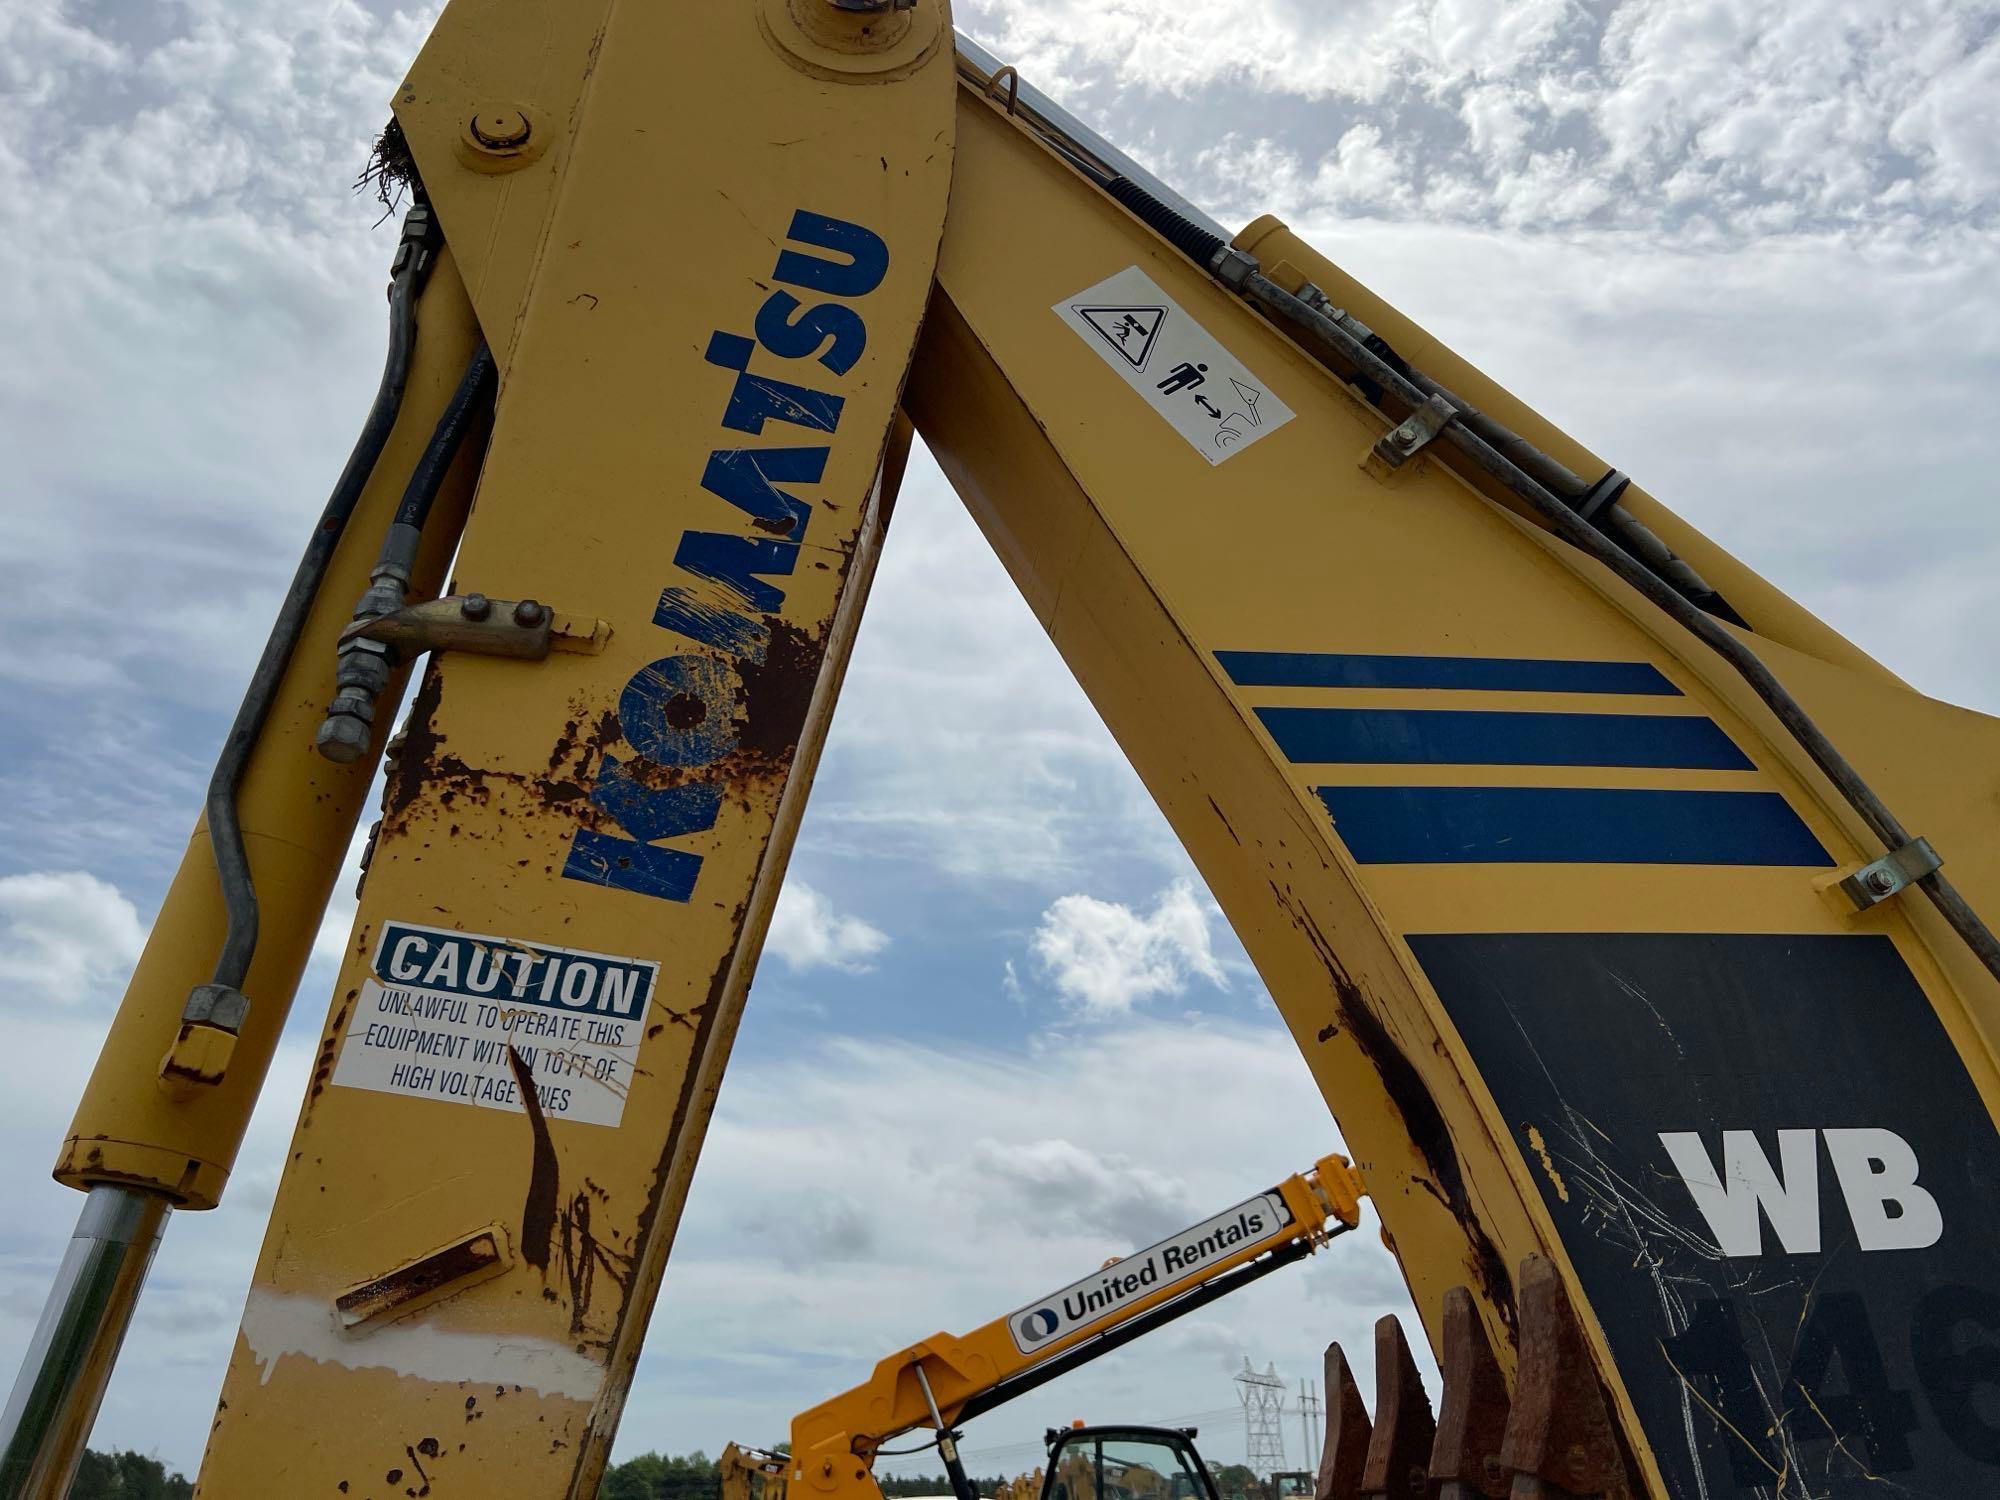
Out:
{"x": 679, "y": 713}
{"x": 1184, "y": 1258}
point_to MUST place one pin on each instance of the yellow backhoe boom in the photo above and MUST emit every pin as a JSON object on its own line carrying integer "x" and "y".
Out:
{"x": 1602, "y": 888}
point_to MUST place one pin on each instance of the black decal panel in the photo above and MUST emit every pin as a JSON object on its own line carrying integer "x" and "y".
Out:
{"x": 1821, "y": 1318}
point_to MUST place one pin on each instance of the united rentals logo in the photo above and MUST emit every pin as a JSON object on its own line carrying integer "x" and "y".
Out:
{"x": 1033, "y": 1327}
{"x": 1182, "y": 1258}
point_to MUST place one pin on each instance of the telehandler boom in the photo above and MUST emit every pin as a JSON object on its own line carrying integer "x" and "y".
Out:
{"x": 1587, "y": 870}
{"x": 945, "y": 1381}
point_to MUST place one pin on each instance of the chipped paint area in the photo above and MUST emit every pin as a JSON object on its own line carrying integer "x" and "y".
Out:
{"x": 1541, "y": 1149}
{"x": 276, "y": 1326}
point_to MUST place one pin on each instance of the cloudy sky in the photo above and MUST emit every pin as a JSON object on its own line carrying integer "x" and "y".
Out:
{"x": 1745, "y": 248}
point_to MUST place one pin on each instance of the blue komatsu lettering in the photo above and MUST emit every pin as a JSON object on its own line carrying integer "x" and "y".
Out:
{"x": 801, "y": 336}
{"x": 735, "y": 561}
{"x": 644, "y": 869}
{"x": 655, "y": 812}
{"x": 757, "y": 399}
{"x": 712, "y": 624}
{"x": 748, "y": 478}
{"x": 679, "y": 713}
{"x": 867, "y": 257}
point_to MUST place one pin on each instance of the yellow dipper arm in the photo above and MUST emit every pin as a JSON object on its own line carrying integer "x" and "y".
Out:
{"x": 834, "y": 1444}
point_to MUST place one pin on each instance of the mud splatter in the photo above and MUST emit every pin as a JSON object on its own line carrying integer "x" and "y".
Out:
{"x": 1423, "y": 1121}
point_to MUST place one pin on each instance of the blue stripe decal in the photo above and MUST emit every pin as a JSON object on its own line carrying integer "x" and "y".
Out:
{"x": 1448, "y": 737}
{"x": 1407, "y": 825}
{"x": 1501, "y": 674}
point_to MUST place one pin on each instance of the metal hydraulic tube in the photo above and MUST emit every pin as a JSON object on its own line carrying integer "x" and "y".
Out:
{"x": 161, "y": 1120}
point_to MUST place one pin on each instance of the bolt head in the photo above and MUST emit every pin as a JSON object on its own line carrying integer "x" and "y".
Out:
{"x": 342, "y": 739}
{"x": 500, "y": 129}
{"x": 475, "y": 606}
{"x": 1881, "y": 882}
{"x": 1407, "y": 438}
{"x": 530, "y": 613}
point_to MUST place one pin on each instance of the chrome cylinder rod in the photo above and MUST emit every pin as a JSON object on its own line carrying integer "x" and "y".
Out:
{"x": 68, "y": 1363}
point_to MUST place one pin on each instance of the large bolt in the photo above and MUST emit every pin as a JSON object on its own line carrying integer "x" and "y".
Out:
{"x": 342, "y": 738}
{"x": 500, "y": 129}
{"x": 1881, "y": 882}
{"x": 475, "y": 606}
{"x": 528, "y": 613}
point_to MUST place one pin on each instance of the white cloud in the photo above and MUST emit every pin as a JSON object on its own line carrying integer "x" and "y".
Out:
{"x": 984, "y": 1181}
{"x": 807, "y": 932}
{"x": 1737, "y": 246}
{"x": 65, "y": 936}
{"x": 1104, "y": 958}
{"x": 1057, "y": 1186}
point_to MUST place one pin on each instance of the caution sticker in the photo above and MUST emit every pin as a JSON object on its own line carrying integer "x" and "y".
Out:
{"x": 1206, "y": 394}
{"x": 475, "y": 1020}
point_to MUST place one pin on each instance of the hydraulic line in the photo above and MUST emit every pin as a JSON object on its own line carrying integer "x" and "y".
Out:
{"x": 362, "y": 667}
{"x": 1572, "y": 528}
{"x": 474, "y": 391}
{"x": 415, "y": 254}
{"x": 1645, "y": 562}
{"x": 63, "y": 1374}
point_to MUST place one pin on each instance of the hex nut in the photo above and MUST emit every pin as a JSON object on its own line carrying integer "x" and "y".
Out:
{"x": 342, "y": 739}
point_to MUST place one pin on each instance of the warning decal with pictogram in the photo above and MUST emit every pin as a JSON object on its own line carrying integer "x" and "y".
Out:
{"x": 1131, "y": 331}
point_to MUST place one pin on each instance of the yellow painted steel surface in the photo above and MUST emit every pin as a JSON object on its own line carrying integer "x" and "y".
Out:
{"x": 1454, "y": 786}
{"x": 1540, "y": 890}
{"x": 833, "y": 1445}
{"x": 298, "y": 814}
{"x": 703, "y": 331}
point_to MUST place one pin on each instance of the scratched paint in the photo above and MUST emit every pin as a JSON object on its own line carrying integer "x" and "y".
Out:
{"x": 1808, "y": 1325}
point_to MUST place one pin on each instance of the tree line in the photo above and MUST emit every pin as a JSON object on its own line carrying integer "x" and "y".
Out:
{"x": 694, "y": 1476}
{"x": 126, "y": 1476}
{"x": 651, "y": 1476}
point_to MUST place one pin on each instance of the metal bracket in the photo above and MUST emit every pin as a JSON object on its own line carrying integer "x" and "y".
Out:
{"x": 1602, "y": 495}
{"x": 1403, "y": 443}
{"x": 1875, "y": 883}
{"x": 522, "y": 629}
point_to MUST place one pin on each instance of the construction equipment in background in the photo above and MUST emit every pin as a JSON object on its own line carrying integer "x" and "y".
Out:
{"x": 753, "y": 1473}
{"x": 1563, "y": 842}
{"x": 1125, "y": 1463}
{"x": 1021, "y": 1486}
{"x": 945, "y": 1381}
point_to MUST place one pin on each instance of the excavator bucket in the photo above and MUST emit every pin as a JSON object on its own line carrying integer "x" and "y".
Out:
{"x": 1553, "y": 1441}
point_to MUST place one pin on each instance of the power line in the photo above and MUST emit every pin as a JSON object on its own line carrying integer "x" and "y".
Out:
{"x": 1263, "y": 1398}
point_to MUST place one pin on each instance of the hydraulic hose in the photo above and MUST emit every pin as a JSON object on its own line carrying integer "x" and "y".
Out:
{"x": 1579, "y": 533}
{"x": 415, "y": 254}
{"x": 473, "y": 393}
{"x": 1649, "y": 566}
{"x": 362, "y": 667}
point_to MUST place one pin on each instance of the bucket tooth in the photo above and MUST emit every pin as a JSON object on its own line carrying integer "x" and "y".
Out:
{"x": 1345, "y": 1452}
{"x": 1399, "y": 1453}
{"x": 1560, "y": 1442}
{"x": 1472, "y": 1412}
